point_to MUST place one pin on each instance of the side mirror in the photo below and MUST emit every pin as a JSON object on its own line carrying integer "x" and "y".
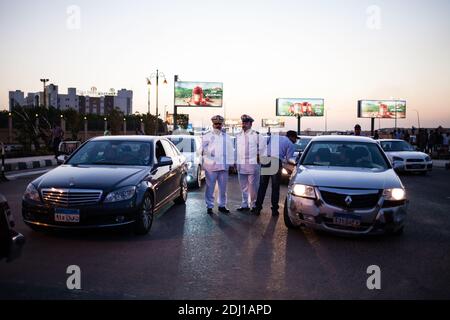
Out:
{"x": 62, "y": 158}
{"x": 292, "y": 161}
{"x": 164, "y": 161}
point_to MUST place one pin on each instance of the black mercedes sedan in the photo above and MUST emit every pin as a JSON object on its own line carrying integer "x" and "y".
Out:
{"x": 108, "y": 182}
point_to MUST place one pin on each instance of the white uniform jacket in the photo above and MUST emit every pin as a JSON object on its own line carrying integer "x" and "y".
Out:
{"x": 218, "y": 153}
{"x": 249, "y": 146}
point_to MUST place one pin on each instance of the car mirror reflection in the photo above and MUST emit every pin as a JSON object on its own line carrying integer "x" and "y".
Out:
{"x": 164, "y": 161}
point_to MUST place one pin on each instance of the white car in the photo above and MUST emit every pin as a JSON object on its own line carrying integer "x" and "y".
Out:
{"x": 404, "y": 156}
{"x": 191, "y": 148}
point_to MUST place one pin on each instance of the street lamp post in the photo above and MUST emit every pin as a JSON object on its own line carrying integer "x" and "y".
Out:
{"x": 9, "y": 127}
{"x": 148, "y": 98}
{"x": 44, "y": 81}
{"x": 85, "y": 128}
{"x": 418, "y": 119}
{"x": 156, "y": 75}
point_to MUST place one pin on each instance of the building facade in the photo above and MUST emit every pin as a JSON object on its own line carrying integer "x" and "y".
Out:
{"x": 91, "y": 102}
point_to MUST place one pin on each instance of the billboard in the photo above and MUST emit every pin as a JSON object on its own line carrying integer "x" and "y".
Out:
{"x": 198, "y": 94}
{"x": 272, "y": 123}
{"x": 382, "y": 109}
{"x": 287, "y": 107}
{"x": 182, "y": 119}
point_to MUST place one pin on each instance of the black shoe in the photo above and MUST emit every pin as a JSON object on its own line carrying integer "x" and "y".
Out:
{"x": 209, "y": 211}
{"x": 224, "y": 210}
{"x": 256, "y": 211}
{"x": 243, "y": 209}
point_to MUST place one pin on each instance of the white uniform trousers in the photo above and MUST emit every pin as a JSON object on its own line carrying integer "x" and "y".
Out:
{"x": 249, "y": 188}
{"x": 221, "y": 177}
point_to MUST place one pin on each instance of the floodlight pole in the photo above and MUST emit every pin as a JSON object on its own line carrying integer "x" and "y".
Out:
{"x": 372, "y": 126}
{"x": 299, "y": 118}
{"x": 396, "y": 115}
{"x": 175, "y": 108}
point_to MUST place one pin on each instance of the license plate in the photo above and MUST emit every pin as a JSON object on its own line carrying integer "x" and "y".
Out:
{"x": 348, "y": 220}
{"x": 67, "y": 215}
{"x": 416, "y": 166}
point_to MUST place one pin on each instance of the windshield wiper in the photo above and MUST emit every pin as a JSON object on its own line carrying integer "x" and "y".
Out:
{"x": 107, "y": 163}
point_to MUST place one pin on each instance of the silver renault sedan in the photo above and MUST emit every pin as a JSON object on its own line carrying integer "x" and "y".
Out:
{"x": 346, "y": 185}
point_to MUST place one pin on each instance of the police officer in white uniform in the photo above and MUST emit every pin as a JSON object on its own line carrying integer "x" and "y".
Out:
{"x": 248, "y": 149}
{"x": 218, "y": 156}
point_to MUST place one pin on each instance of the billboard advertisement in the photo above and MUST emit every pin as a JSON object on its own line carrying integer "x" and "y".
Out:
{"x": 198, "y": 94}
{"x": 182, "y": 120}
{"x": 272, "y": 123}
{"x": 382, "y": 109}
{"x": 287, "y": 107}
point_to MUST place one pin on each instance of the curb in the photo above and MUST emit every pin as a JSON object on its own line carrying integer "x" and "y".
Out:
{"x": 16, "y": 166}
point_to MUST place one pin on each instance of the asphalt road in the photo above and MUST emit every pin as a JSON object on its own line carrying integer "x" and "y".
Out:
{"x": 190, "y": 255}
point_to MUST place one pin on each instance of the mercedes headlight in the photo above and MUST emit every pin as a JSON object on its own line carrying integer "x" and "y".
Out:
{"x": 395, "y": 194}
{"x": 121, "y": 194}
{"x": 301, "y": 190}
{"x": 31, "y": 193}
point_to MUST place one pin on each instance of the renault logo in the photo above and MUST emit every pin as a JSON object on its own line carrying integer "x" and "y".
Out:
{"x": 348, "y": 200}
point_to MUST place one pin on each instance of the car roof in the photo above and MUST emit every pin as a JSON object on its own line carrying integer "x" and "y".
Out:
{"x": 183, "y": 136}
{"x": 391, "y": 140}
{"x": 344, "y": 139}
{"x": 128, "y": 138}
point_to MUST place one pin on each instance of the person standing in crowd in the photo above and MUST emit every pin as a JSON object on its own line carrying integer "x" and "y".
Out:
{"x": 431, "y": 142}
{"x": 248, "y": 149}
{"x": 217, "y": 157}
{"x": 423, "y": 140}
{"x": 357, "y": 130}
{"x": 406, "y": 136}
{"x": 280, "y": 149}
{"x": 445, "y": 141}
{"x": 376, "y": 136}
{"x": 57, "y": 137}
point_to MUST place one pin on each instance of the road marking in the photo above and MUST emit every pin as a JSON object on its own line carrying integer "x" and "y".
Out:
{"x": 25, "y": 174}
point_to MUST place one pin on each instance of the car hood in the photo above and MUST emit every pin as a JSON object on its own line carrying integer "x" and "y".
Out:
{"x": 91, "y": 177}
{"x": 407, "y": 154}
{"x": 353, "y": 178}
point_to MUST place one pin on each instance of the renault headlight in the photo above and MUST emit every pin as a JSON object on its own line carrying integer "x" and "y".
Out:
{"x": 31, "y": 193}
{"x": 395, "y": 194}
{"x": 121, "y": 194}
{"x": 304, "y": 191}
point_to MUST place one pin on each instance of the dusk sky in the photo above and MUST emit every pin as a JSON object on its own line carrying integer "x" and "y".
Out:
{"x": 342, "y": 51}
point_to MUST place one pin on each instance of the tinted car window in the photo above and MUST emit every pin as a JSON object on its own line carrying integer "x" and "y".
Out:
{"x": 184, "y": 144}
{"x": 113, "y": 152}
{"x": 159, "y": 150}
{"x": 345, "y": 154}
{"x": 396, "y": 146}
{"x": 168, "y": 149}
{"x": 301, "y": 144}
